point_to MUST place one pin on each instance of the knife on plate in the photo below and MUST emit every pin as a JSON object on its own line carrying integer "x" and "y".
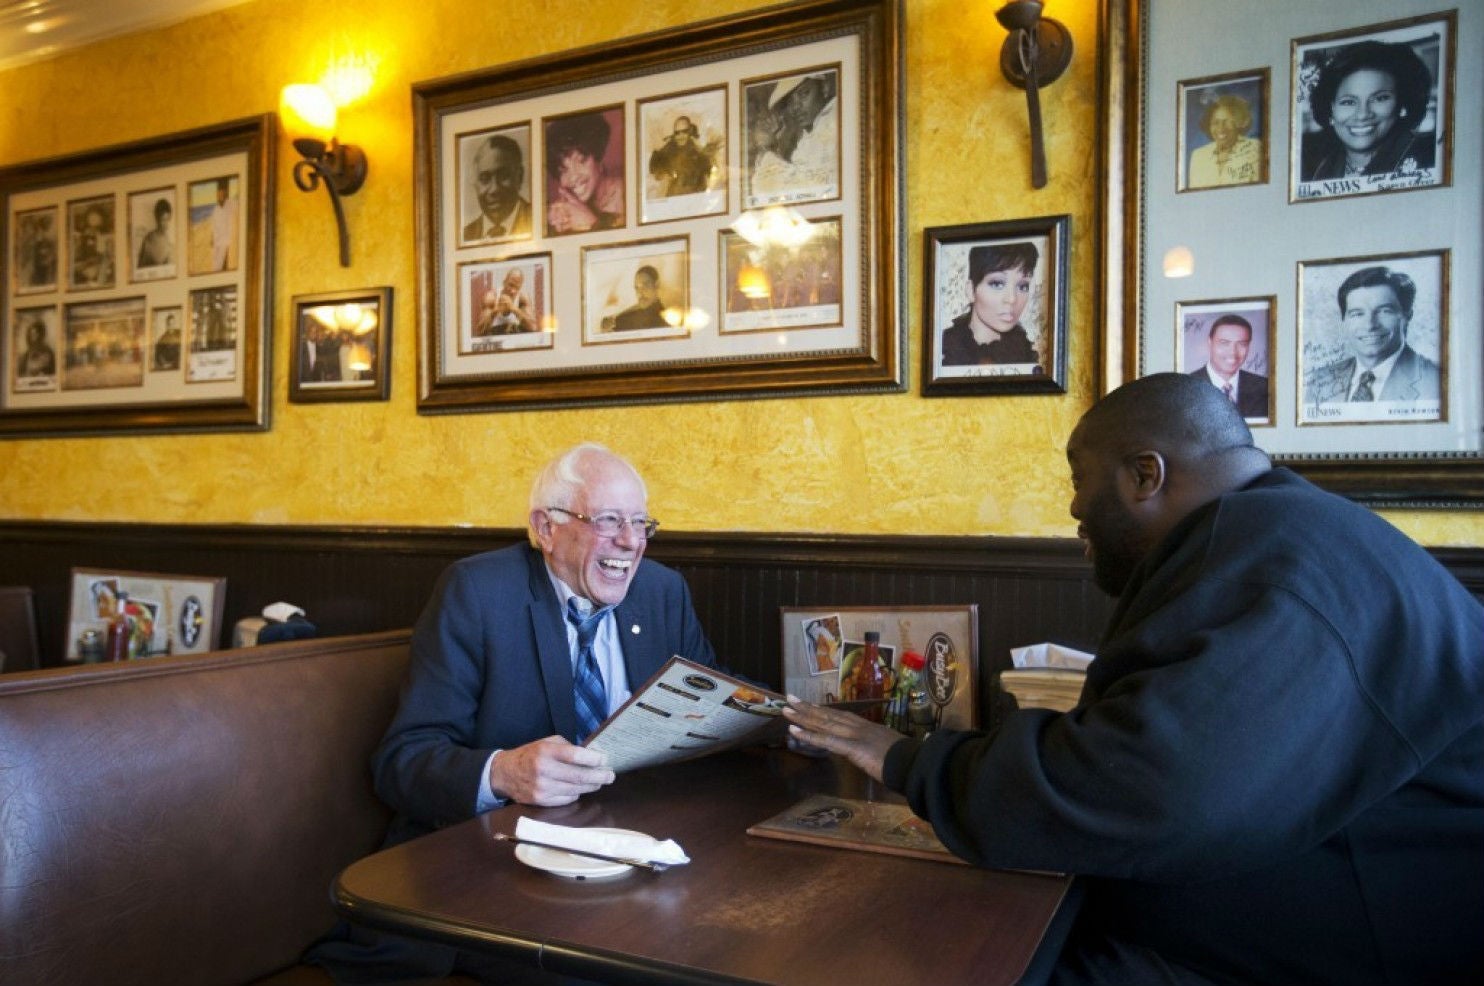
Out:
{"x": 628, "y": 861}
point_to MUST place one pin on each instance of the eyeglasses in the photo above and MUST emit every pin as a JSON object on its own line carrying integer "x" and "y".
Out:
{"x": 609, "y": 524}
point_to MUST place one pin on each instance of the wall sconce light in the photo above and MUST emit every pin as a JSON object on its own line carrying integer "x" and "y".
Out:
{"x": 1035, "y": 54}
{"x": 308, "y": 116}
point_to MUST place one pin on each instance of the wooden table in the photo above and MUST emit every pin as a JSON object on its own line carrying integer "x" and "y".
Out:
{"x": 745, "y": 909}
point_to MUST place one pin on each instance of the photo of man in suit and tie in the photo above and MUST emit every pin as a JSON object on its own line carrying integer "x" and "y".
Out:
{"x": 1380, "y": 377}
{"x": 495, "y": 184}
{"x": 1228, "y": 341}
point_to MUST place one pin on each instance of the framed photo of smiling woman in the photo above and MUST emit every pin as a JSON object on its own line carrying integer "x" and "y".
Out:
{"x": 995, "y": 308}
{"x": 1373, "y": 109}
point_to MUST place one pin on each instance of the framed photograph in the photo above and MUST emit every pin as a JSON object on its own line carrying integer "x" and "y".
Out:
{"x": 494, "y": 185}
{"x": 166, "y": 339}
{"x": 104, "y": 342}
{"x": 751, "y": 162}
{"x": 1229, "y": 342}
{"x": 1372, "y": 109}
{"x": 1298, "y": 241}
{"x": 92, "y": 260}
{"x": 99, "y": 239}
{"x": 774, "y": 283}
{"x": 821, "y": 649}
{"x": 792, "y": 127}
{"x": 585, "y": 188}
{"x": 167, "y": 614}
{"x": 216, "y": 205}
{"x": 33, "y": 260}
{"x": 342, "y": 347}
{"x": 35, "y": 345}
{"x": 212, "y": 351}
{"x": 682, "y": 154}
{"x": 636, "y": 292}
{"x": 505, "y": 305}
{"x": 1373, "y": 339}
{"x": 1223, "y": 129}
{"x": 152, "y": 234}
{"x": 994, "y": 315}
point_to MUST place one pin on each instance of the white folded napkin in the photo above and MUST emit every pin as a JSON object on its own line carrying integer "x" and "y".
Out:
{"x": 608, "y": 842}
{"x": 1050, "y": 655}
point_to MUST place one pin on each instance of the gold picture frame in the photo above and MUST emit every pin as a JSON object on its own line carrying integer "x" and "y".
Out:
{"x": 1162, "y": 250}
{"x": 95, "y": 243}
{"x": 761, "y": 124}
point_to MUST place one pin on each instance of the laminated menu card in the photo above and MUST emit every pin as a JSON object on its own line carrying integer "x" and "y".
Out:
{"x": 847, "y": 823}
{"x": 687, "y": 710}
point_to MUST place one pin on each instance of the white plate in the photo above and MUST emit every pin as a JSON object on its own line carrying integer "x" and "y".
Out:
{"x": 571, "y": 866}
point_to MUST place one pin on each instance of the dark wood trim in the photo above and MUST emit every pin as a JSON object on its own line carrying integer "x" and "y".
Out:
{"x": 363, "y": 579}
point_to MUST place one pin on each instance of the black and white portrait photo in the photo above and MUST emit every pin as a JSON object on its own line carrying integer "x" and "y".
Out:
{"x": 34, "y": 343}
{"x": 1373, "y": 339}
{"x": 1371, "y": 111}
{"x": 212, "y": 353}
{"x": 90, "y": 223}
{"x": 152, "y": 234}
{"x": 791, "y": 125}
{"x": 166, "y": 339}
{"x": 495, "y": 185}
{"x": 34, "y": 262}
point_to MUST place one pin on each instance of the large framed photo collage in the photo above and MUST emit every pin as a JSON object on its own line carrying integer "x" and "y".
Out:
{"x": 707, "y": 212}
{"x": 135, "y": 286}
{"x": 1293, "y": 215}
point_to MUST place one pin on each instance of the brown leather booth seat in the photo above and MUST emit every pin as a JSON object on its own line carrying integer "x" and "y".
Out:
{"x": 180, "y": 819}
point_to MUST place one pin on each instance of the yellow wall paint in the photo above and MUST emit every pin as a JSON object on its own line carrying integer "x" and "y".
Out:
{"x": 867, "y": 464}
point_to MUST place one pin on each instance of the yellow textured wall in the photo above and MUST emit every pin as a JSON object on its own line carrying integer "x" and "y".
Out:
{"x": 868, "y": 464}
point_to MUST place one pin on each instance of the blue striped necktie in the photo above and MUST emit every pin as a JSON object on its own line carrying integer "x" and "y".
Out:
{"x": 587, "y": 681}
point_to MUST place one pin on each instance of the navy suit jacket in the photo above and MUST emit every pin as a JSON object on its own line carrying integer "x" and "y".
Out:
{"x": 1252, "y": 392}
{"x": 491, "y": 669}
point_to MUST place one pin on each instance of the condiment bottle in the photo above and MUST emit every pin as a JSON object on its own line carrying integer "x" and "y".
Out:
{"x": 90, "y": 647}
{"x": 870, "y": 677}
{"x": 908, "y": 676}
{"x": 117, "y": 648}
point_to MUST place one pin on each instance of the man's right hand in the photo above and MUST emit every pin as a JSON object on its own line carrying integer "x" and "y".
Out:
{"x": 548, "y": 772}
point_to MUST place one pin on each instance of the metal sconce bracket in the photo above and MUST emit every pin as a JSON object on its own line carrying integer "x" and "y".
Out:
{"x": 342, "y": 169}
{"x": 1036, "y": 53}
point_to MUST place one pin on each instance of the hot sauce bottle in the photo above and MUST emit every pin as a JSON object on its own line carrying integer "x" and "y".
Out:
{"x": 871, "y": 679}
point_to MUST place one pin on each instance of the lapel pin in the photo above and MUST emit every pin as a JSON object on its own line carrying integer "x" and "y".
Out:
{"x": 634, "y": 629}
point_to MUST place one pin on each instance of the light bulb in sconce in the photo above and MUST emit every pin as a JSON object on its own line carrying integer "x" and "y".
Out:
{"x": 309, "y": 117}
{"x": 308, "y": 112}
{"x": 1179, "y": 262}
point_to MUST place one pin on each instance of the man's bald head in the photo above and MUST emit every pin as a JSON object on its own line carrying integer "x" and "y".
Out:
{"x": 1146, "y": 456}
{"x": 1181, "y": 416}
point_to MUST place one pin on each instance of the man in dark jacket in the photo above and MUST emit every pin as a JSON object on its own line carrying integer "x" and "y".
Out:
{"x": 1274, "y": 773}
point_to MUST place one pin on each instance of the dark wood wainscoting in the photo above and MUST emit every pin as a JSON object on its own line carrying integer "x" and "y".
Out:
{"x": 356, "y": 579}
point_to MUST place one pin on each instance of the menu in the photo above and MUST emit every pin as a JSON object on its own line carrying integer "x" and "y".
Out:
{"x": 687, "y": 710}
{"x": 851, "y": 824}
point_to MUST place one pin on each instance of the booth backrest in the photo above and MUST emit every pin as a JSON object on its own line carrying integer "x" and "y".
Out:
{"x": 18, "y": 650}
{"x": 180, "y": 819}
